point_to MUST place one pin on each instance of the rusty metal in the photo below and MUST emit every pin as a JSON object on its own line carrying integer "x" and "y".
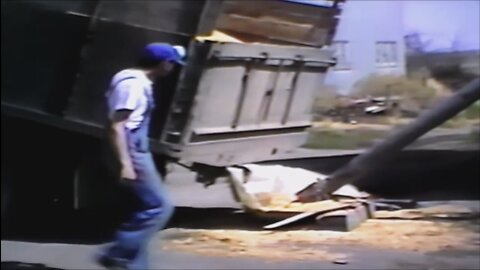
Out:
{"x": 291, "y": 92}
{"x": 268, "y": 98}
{"x": 243, "y": 92}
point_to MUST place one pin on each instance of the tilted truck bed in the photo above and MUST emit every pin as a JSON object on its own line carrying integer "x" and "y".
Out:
{"x": 232, "y": 103}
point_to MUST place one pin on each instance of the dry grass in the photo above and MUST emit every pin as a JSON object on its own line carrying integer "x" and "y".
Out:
{"x": 343, "y": 138}
{"x": 235, "y": 243}
{"x": 328, "y": 134}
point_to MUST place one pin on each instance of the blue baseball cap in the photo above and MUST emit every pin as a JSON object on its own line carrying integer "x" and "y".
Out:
{"x": 162, "y": 52}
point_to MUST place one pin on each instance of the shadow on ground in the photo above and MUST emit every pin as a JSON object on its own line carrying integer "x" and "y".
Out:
{"x": 420, "y": 175}
{"x": 25, "y": 266}
{"x": 94, "y": 226}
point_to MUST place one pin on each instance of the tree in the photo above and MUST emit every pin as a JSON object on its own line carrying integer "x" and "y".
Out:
{"x": 390, "y": 86}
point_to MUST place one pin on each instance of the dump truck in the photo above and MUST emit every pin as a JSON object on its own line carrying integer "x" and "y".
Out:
{"x": 236, "y": 101}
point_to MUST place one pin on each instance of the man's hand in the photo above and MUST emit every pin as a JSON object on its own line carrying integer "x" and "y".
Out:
{"x": 118, "y": 139}
{"x": 128, "y": 173}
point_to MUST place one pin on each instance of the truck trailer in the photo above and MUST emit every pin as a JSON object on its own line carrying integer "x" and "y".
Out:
{"x": 232, "y": 103}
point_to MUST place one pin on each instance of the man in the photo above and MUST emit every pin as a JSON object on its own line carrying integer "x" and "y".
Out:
{"x": 130, "y": 102}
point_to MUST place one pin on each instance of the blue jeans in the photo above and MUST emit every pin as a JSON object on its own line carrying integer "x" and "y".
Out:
{"x": 152, "y": 214}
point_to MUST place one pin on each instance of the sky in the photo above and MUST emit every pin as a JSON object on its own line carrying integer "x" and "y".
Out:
{"x": 445, "y": 24}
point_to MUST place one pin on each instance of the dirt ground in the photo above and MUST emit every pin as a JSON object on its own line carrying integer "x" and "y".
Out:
{"x": 434, "y": 236}
{"x": 396, "y": 235}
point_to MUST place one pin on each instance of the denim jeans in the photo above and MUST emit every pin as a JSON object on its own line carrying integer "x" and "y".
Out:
{"x": 154, "y": 207}
{"x": 152, "y": 214}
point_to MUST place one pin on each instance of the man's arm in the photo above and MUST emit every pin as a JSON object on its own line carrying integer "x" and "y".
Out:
{"x": 118, "y": 139}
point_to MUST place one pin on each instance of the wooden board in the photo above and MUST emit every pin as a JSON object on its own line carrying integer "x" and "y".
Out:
{"x": 280, "y": 21}
{"x": 280, "y": 30}
{"x": 303, "y": 216}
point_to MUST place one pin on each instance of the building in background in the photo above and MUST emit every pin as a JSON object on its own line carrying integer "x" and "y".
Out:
{"x": 399, "y": 37}
{"x": 369, "y": 40}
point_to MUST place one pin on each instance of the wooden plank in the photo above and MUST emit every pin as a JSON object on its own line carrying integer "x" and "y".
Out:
{"x": 304, "y": 216}
{"x": 342, "y": 220}
{"x": 279, "y": 20}
{"x": 293, "y": 13}
{"x": 301, "y": 19}
{"x": 297, "y": 33}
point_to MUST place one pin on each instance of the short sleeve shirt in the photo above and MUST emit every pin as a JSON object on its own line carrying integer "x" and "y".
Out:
{"x": 130, "y": 90}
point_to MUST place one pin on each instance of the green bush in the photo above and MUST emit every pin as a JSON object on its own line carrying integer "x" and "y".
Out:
{"x": 473, "y": 112}
{"x": 343, "y": 139}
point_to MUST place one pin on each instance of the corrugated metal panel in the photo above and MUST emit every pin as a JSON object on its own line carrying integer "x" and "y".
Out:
{"x": 169, "y": 16}
{"x": 114, "y": 47}
{"x": 85, "y": 7}
{"x": 121, "y": 31}
{"x": 40, "y": 55}
{"x": 232, "y": 94}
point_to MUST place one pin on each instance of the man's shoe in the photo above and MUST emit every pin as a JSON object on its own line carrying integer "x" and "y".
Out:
{"x": 112, "y": 263}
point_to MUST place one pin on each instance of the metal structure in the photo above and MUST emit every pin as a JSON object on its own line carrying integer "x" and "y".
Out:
{"x": 250, "y": 102}
{"x": 232, "y": 103}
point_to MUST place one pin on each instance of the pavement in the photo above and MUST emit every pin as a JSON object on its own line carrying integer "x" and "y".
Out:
{"x": 187, "y": 193}
{"x": 74, "y": 256}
